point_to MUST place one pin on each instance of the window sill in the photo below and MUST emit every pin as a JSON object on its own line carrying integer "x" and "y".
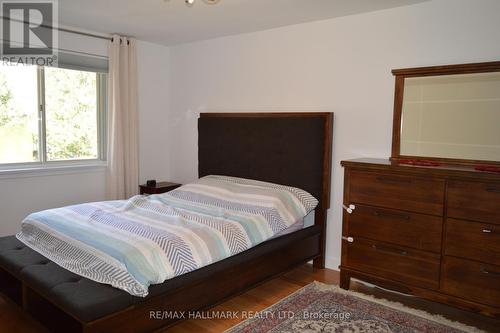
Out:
{"x": 53, "y": 170}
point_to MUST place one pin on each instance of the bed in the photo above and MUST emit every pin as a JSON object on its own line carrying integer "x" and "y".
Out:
{"x": 293, "y": 149}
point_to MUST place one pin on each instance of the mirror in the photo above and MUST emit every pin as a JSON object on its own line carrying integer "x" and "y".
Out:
{"x": 452, "y": 116}
{"x": 448, "y": 113}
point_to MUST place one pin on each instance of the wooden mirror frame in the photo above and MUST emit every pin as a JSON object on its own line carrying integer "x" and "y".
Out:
{"x": 401, "y": 75}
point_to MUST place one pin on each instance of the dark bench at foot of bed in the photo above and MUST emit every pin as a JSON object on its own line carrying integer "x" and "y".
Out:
{"x": 66, "y": 302}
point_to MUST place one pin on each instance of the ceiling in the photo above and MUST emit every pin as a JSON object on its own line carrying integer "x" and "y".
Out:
{"x": 171, "y": 22}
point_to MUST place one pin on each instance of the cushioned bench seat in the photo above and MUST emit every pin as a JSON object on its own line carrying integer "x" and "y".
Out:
{"x": 82, "y": 298}
{"x": 14, "y": 256}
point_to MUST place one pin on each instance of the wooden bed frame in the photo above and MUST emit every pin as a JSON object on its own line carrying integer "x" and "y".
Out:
{"x": 288, "y": 148}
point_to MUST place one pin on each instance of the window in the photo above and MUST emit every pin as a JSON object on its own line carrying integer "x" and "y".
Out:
{"x": 51, "y": 115}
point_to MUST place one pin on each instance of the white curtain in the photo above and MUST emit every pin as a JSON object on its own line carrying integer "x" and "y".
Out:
{"x": 123, "y": 166}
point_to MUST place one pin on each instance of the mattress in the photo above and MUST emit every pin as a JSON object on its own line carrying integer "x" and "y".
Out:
{"x": 147, "y": 240}
{"x": 302, "y": 223}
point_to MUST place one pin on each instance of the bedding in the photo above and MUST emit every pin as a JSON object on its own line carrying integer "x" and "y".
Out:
{"x": 307, "y": 221}
{"x": 131, "y": 244}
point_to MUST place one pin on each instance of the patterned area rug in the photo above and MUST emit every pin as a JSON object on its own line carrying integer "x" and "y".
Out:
{"x": 322, "y": 308}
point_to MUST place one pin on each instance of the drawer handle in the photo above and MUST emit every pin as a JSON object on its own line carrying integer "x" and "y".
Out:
{"x": 488, "y": 231}
{"x": 490, "y": 273}
{"x": 493, "y": 189}
{"x": 394, "y": 180}
{"x": 349, "y": 239}
{"x": 389, "y": 250}
{"x": 392, "y": 215}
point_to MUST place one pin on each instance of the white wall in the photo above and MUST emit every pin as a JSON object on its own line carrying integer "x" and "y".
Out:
{"x": 153, "y": 76}
{"x": 343, "y": 65}
{"x": 23, "y": 194}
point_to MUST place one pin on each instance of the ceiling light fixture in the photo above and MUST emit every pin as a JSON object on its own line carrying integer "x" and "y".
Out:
{"x": 190, "y": 3}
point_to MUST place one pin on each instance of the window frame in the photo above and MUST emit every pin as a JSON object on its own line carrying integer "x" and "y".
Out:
{"x": 43, "y": 163}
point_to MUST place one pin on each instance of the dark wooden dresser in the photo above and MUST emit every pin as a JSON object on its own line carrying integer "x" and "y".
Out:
{"x": 429, "y": 231}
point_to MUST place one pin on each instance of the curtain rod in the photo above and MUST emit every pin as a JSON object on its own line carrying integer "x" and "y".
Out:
{"x": 82, "y": 33}
{"x": 64, "y": 50}
{"x": 88, "y": 34}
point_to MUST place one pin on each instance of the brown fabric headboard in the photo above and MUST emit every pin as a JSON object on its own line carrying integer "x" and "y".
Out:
{"x": 284, "y": 148}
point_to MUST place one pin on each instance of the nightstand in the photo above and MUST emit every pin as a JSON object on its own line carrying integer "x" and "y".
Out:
{"x": 161, "y": 187}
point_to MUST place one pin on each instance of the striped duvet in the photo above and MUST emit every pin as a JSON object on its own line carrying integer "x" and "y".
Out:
{"x": 146, "y": 240}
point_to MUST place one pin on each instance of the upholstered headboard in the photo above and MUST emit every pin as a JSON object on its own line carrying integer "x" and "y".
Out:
{"x": 284, "y": 148}
{"x": 292, "y": 149}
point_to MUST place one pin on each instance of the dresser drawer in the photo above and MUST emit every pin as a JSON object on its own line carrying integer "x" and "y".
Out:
{"x": 394, "y": 262}
{"x": 471, "y": 280}
{"x": 473, "y": 240}
{"x": 397, "y": 191}
{"x": 398, "y": 227}
{"x": 474, "y": 201}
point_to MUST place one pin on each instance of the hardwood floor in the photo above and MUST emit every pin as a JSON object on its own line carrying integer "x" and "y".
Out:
{"x": 13, "y": 320}
{"x": 258, "y": 299}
